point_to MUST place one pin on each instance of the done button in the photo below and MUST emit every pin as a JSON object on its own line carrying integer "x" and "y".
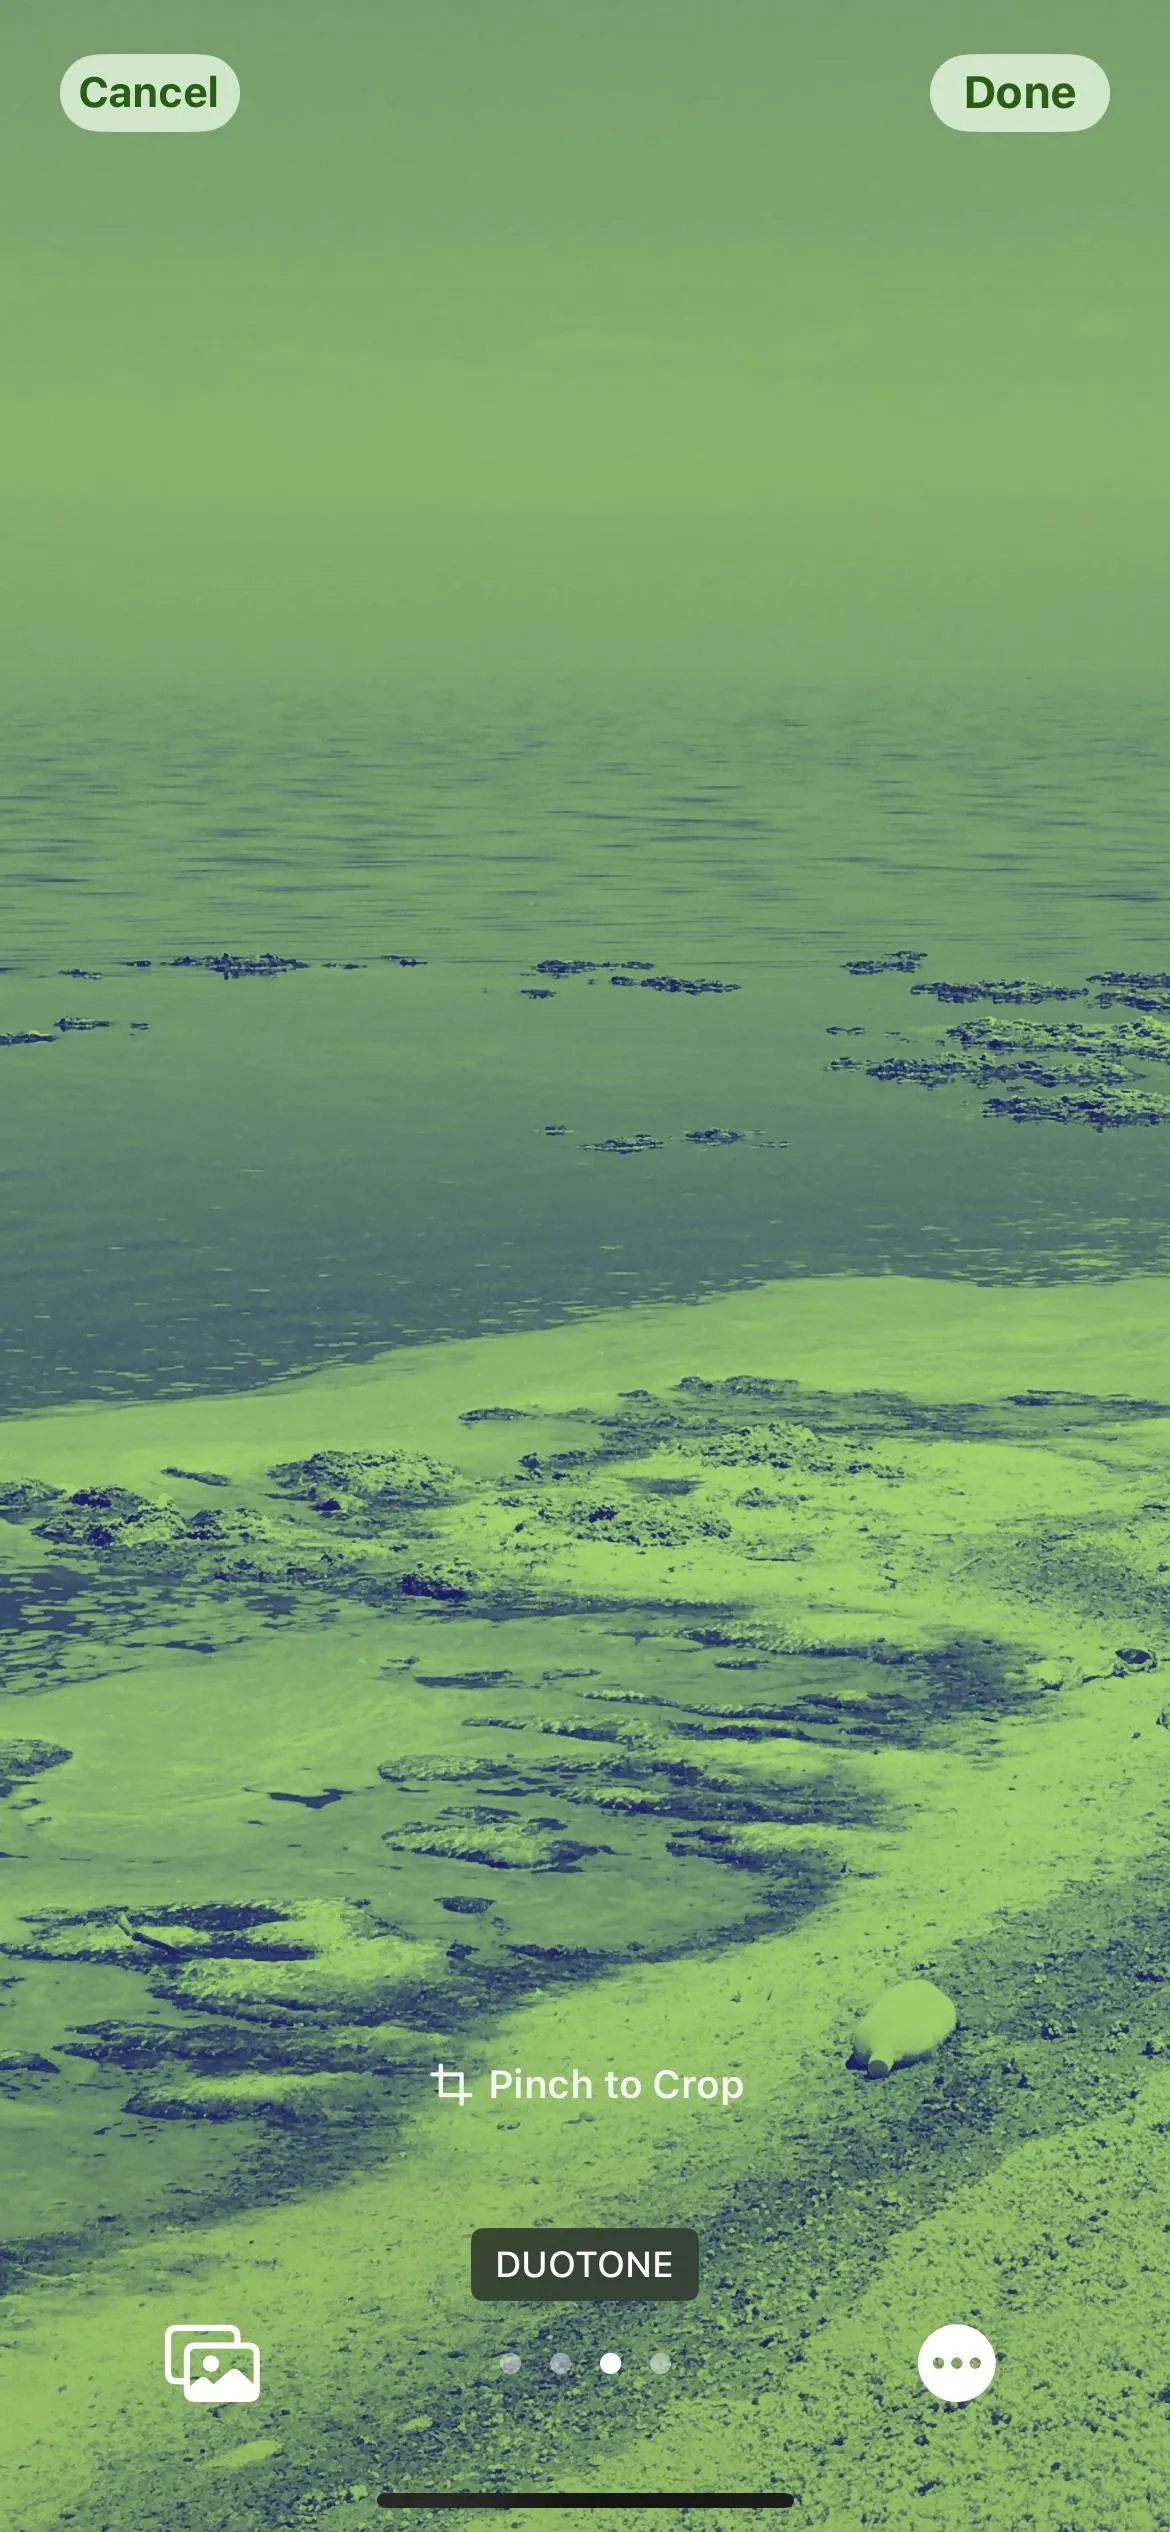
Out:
{"x": 571, "y": 2264}
{"x": 1019, "y": 92}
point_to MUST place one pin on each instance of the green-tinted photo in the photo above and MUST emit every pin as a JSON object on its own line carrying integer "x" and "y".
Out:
{"x": 585, "y": 1348}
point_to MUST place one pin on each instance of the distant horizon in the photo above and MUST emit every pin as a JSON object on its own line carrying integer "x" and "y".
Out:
{"x": 666, "y": 343}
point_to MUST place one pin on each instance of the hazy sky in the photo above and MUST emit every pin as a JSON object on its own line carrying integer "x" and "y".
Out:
{"x": 525, "y": 334}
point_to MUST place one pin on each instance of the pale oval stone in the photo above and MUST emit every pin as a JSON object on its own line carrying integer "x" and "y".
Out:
{"x": 907, "y": 2023}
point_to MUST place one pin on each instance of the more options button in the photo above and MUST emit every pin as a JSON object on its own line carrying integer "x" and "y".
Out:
{"x": 584, "y": 2264}
{"x": 150, "y": 92}
{"x": 1019, "y": 92}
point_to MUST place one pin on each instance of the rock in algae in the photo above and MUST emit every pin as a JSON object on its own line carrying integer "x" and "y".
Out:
{"x": 907, "y": 2023}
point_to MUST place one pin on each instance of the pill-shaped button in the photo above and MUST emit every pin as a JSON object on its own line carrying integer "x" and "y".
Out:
{"x": 1019, "y": 92}
{"x": 150, "y": 92}
{"x": 584, "y": 2264}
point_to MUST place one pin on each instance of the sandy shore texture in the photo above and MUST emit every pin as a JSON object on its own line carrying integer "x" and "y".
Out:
{"x": 650, "y": 1692}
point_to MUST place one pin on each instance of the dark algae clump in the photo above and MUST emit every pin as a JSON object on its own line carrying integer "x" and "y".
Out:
{"x": 895, "y": 963}
{"x": 1082, "y": 1071}
{"x": 1102, "y": 1109}
{"x": 22, "y": 1760}
{"x": 626, "y": 1143}
{"x": 676, "y": 984}
{"x": 231, "y": 966}
{"x": 1018, "y": 989}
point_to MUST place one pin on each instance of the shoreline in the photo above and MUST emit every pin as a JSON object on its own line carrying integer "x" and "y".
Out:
{"x": 1045, "y": 1796}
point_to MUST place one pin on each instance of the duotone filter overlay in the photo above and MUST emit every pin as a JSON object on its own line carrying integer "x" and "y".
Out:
{"x": 585, "y": 1374}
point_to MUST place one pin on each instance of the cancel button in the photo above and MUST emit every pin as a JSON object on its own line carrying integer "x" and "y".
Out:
{"x": 580, "y": 2264}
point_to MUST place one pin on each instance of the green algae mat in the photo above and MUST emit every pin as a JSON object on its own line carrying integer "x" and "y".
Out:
{"x": 641, "y": 1698}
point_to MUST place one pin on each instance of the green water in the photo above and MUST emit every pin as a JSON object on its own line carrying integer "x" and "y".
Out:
{"x": 238, "y": 1179}
{"x": 574, "y": 1723}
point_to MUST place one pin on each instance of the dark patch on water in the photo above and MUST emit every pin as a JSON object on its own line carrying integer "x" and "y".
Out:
{"x": 626, "y": 1143}
{"x": 506, "y": 1415}
{"x": 1016, "y": 989}
{"x": 716, "y": 1407}
{"x": 371, "y": 1482}
{"x": 314, "y": 1802}
{"x": 712, "y": 1407}
{"x": 22, "y": 1760}
{"x": 895, "y": 963}
{"x": 231, "y": 966}
{"x": 676, "y": 984}
{"x": 462, "y": 1678}
{"x": 1098, "y": 1080}
{"x": 936, "y": 1692}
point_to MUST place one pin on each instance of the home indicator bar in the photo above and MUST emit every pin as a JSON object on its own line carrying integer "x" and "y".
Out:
{"x": 551, "y": 2501}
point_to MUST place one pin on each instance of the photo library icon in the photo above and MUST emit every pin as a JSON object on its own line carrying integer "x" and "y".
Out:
{"x": 209, "y": 2362}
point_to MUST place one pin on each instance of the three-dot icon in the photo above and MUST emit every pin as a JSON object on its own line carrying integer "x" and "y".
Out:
{"x": 956, "y": 2363}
